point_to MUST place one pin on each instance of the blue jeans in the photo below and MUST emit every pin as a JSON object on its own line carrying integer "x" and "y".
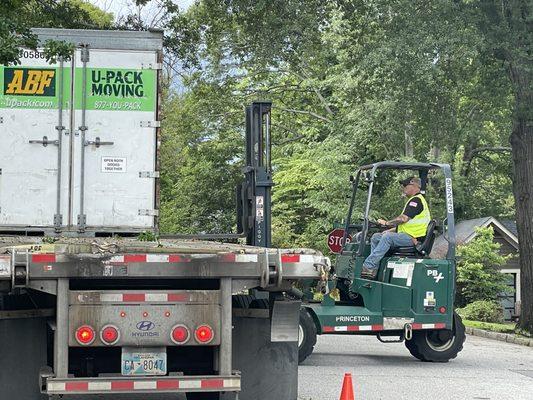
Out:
{"x": 380, "y": 245}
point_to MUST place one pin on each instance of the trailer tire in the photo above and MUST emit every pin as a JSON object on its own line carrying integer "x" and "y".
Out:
{"x": 306, "y": 335}
{"x": 438, "y": 345}
{"x": 248, "y": 301}
{"x": 203, "y": 396}
{"x": 242, "y": 300}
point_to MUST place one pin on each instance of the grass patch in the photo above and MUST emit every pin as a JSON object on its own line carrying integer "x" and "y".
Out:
{"x": 489, "y": 326}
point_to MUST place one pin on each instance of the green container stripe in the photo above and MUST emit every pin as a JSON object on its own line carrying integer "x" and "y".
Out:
{"x": 118, "y": 89}
{"x": 107, "y": 89}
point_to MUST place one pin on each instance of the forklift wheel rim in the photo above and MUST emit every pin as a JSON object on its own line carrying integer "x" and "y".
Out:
{"x": 301, "y": 335}
{"x": 439, "y": 347}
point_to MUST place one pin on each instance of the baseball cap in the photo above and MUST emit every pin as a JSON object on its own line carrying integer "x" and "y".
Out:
{"x": 411, "y": 180}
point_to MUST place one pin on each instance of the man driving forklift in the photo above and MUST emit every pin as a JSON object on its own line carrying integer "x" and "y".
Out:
{"x": 407, "y": 229}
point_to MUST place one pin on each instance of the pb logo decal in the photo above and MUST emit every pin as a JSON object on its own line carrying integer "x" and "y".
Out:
{"x": 29, "y": 82}
{"x": 435, "y": 274}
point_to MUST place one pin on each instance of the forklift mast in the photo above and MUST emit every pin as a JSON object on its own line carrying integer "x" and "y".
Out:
{"x": 254, "y": 194}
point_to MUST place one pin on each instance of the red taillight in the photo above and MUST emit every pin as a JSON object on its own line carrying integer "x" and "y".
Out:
{"x": 85, "y": 334}
{"x": 204, "y": 334}
{"x": 179, "y": 334}
{"x": 442, "y": 310}
{"x": 109, "y": 334}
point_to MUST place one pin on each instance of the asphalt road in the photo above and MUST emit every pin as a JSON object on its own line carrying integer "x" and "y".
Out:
{"x": 485, "y": 369}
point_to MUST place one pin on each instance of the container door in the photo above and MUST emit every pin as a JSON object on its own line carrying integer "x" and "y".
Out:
{"x": 34, "y": 142}
{"x": 115, "y": 150}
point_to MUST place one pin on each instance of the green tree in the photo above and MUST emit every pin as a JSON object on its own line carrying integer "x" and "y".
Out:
{"x": 478, "y": 271}
{"x": 17, "y": 17}
{"x": 507, "y": 29}
{"x": 201, "y": 159}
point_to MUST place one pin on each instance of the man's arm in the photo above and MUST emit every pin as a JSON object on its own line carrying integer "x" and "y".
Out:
{"x": 412, "y": 209}
{"x": 400, "y": 219}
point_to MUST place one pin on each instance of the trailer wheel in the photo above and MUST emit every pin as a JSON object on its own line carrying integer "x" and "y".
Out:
{"x": 242, "y": 300}
{"x": 203, "y": 396}
{"x": 249, "y": 301}
{"x": 439, "y": 345}
{"x": 306, "y": 335}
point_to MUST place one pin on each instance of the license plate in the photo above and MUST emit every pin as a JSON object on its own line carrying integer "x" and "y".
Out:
{"x": 144, "y": 361}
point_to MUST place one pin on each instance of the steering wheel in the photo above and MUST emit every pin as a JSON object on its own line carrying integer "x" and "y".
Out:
{"x": 355, "y": 226}
{"x": 373, "y": 224}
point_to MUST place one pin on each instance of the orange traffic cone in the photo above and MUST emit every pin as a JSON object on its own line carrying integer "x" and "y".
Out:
{"x": 347, "y": 388}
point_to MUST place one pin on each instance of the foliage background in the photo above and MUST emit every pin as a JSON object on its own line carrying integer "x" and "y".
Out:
{"x": 478, "y": 270}
{"x": 351, "y": 83}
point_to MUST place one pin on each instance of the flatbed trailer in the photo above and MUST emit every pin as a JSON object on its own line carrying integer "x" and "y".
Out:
{"x": 128, "y": 296}
{"x": 84, "y": 313}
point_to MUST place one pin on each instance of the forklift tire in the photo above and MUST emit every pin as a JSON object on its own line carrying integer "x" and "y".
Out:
{"x": 306, "y": 335}
{"x": 438, "y": 345}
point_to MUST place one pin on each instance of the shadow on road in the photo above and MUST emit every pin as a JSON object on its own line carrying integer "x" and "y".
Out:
{"x": 338, "y": 359}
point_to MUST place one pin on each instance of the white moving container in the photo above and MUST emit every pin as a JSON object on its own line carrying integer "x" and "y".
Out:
{"x": 80, "y": 137}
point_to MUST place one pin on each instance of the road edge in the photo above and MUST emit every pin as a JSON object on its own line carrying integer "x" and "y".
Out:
{"x": 502, "y": 337}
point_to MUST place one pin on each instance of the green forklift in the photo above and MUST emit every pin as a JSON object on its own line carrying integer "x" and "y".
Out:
{"x": 412, "y": 298}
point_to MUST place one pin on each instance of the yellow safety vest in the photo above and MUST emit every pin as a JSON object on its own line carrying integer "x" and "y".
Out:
{"x": 417, "y": 226}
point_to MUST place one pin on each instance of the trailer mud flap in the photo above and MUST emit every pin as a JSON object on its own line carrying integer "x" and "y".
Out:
{"x": 285, "y": 318}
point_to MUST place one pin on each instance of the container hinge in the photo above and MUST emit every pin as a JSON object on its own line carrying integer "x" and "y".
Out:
{"x": 1, "y": 120}
{"x": 150, "y": 124}
{"x": 81, "y": 129}
{"x": 82, "y": 222}
{"x": 84, "y": 53}
{"x": 149, "y": 213}
{"x": 148, "y": 174}
{"x": 152, "y": 66}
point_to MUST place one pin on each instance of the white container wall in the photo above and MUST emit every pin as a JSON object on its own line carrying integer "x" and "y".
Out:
{"x": 79, "y": 138}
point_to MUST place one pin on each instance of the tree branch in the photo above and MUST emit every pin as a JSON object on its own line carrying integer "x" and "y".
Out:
{"x": 289, "y": 140}
{"x": 311, "y": 113}
{"x": 489, "y": 148}
{"x": 321, "y": 98}
{"x": 476, "y": 153}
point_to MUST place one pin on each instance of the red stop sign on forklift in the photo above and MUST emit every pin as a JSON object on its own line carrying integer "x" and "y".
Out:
{"x": 335, "y": 240}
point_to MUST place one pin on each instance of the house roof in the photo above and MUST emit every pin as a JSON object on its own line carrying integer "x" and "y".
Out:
{"x": 465, "y": 231}
{"x": 510, "y": 225}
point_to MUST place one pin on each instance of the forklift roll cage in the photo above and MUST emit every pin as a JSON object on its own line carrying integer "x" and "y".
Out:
{"x": 423, "y": 170}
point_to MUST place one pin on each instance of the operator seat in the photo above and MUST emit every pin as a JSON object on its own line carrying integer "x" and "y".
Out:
{"x": 420, "y": 250}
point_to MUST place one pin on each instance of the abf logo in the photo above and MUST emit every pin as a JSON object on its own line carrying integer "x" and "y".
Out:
{"x": 29, "y": 82}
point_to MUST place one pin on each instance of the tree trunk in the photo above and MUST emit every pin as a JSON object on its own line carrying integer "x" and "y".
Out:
{"x": 434, "y": 153}
{"x": 408, "y": 140}
{"x": 522, "y": 149}
{"x": 522, "y": 142}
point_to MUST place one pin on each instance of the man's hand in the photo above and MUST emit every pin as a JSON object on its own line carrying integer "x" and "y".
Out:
{"x": 400, "y": 219}
{"x": 382, "y": 222}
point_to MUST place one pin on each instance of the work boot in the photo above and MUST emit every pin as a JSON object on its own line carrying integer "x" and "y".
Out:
{"x": 368, "y": 273}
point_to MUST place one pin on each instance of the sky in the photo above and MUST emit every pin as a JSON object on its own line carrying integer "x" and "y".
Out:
{"x": 122, "y": 7}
